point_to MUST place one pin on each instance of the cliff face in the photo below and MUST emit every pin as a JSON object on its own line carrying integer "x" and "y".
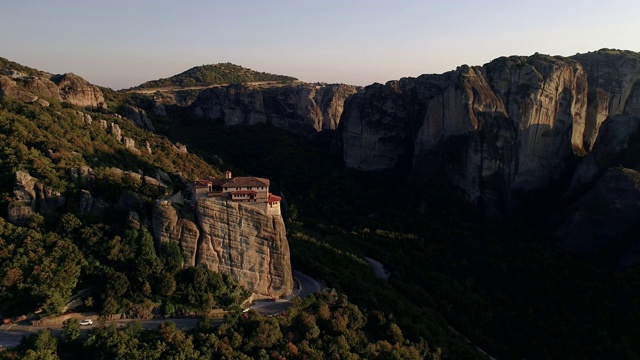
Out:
{"x": 302, "y": 108}
{"x": 614, "y": 97}
{"x": 241, "y": 240}
{"x": 504, "y": 126}
{"x": 169, "y": 226}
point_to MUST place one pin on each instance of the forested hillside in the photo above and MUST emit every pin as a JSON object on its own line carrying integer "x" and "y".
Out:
{"x": 77, "y": 188}
{"x": 214, "y": 74}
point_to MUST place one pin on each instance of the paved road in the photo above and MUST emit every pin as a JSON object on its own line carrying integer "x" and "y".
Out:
{"x": 308, "y": 285}
{"x": 10, "y": 335}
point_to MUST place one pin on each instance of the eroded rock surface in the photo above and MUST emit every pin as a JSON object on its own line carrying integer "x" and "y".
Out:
{"x": 241, "y": 240}
{"x": 302, "y": 108}
{"x": 78, "y": 91}
{"x": 508, "y": 125}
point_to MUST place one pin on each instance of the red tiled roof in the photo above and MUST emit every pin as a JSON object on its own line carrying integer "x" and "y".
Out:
{"x": 218, "y": 182}
{"x": 246, "y": 181}
{"x": 273, "y": 198}
{"x": 201, "y": 183}
{"x": 244, "y": 192}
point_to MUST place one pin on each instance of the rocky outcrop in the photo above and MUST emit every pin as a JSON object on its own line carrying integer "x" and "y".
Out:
{"x": 615, "y": 72}
{"x": 604, "y": 215}
{"x": 68, "y": 87}
{"x": 302, "y": 108}
{"x": 10, "y": 89}
{"x": 139, "y": 117}
{"x": 614, "y": 97}
{"x": 246, "y": 243}
{"x": 129, "y": 144}
{"x": 241, "y": 240}
{"x": 78, "y": 91}
{"x": 508, "y": 125}
{"x": 114, "y": 130}
{"x": 86, "y": 118}
{"x": 43, "y": 87}
{"x": 32, "y": 196}
{"x": 169, "y": 226}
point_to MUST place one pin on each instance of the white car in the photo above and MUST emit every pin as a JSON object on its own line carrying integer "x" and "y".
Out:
{"x": 86, "y": 322}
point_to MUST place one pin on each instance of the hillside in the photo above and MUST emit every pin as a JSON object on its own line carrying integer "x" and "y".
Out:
{"x": 79, "y": 191}
{"x": 214, "y": 74}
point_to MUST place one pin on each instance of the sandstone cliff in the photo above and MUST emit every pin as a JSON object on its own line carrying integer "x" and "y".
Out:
{"x": 508, "y": 125}
{"x": 241, "y": 240}
{"x": 614, "y": 97}
{"x": 302, "y": 108}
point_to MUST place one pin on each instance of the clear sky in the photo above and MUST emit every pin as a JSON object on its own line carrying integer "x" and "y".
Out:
{"x": 122, "y": 43}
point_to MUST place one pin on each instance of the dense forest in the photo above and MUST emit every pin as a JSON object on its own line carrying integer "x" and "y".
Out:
{"x": 324, "y": 325}
{"x": 63, "y": 249}
{"x": 214, "y": 74}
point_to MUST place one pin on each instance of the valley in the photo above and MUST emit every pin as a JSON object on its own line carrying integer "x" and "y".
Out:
{"x": 503, "y": 201}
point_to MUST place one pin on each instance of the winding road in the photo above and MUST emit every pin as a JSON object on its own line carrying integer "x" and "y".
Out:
{"x": 11, "y": 334}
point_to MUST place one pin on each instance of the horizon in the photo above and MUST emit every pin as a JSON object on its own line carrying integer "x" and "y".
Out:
{"x": 121, "y": 44}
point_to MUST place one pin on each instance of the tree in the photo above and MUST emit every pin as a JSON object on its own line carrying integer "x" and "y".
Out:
{"x": 70, "y": 330}
{"x": 41, "y": 346}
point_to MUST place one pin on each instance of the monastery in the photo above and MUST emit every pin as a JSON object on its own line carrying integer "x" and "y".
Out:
{"x": 245, "y": 189}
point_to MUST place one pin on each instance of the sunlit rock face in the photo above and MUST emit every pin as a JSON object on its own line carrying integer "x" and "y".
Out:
{"x": 302, "y": 108}
{"x": 508, "y": 125}
{"x": 78, "y": 91}
{"x": 67, "y": 87}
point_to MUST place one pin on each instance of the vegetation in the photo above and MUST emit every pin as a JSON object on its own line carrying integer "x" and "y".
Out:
{"x": 10, "y": 65}
{"x": 506, "y": 287}
{"x": 319, "y": 327}
{"x": 64, "y": 248}
{"x": 214, "y": 74}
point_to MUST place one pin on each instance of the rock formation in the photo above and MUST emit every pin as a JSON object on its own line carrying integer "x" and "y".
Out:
{"x": 32, "y": 196}
{"x": 10, "y": 89}
{"x": 508, "y": 125}
{"x": 302, "y": 108}
{"x": 78, "y": 91}
{"x": 139, "y": 117}
{"x": 614, "y": 97}
{"x": 68, "y": 87}
{"x": 241, "y": 240}
{"x": 169, "y": 226}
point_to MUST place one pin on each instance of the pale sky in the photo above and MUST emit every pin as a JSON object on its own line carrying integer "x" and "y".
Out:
{"x": 122, "y": 43}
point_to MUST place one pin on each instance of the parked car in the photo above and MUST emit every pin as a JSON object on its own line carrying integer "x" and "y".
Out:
{"x": 86, "y": 322}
